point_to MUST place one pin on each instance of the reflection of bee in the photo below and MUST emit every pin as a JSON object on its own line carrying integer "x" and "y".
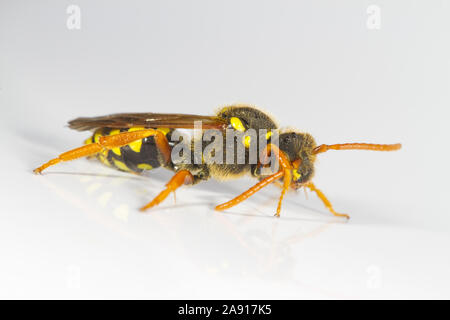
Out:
{"x": 142, "y": 141}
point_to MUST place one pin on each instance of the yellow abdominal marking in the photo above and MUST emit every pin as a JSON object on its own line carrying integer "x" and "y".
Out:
{"x": 144, "y": 166}
{"x": 268, "y": 135}
{"x": 120, "y": 165}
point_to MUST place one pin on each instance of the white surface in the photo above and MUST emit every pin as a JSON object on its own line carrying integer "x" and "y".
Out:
{"x": 75, "y": 232}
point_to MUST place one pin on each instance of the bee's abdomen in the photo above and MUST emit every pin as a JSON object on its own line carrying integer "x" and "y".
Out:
{"x": 135, "y": 157}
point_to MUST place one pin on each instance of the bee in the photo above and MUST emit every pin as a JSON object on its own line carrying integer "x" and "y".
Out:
{"x": 135, "y": 142}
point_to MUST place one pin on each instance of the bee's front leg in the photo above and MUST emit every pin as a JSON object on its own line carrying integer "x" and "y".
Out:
{"x": 325, "y": 201}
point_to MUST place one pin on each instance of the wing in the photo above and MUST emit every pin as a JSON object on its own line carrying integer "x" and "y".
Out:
{"x": 147, "y": 120}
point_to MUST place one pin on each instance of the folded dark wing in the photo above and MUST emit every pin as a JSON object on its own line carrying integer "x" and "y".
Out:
{"x": 147, "y": 120}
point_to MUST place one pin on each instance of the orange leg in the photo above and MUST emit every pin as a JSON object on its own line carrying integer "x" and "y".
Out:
{"x": 325, "y": 201}
{"x": 109, "y": 142}
{"x": 281, "y": 156}
{"x": 264, "y": 182}
{"x": 286, "y": 183}
{"x": 163, "y": 145}
{"x": 286, "y": 172}
{"x": 180, "y": 178}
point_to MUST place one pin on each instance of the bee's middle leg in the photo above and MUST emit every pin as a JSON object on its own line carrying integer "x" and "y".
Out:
{"x": 180, "y": 178}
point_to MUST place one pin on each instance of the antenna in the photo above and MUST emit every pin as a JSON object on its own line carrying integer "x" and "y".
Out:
{"x": 357, "y": 146}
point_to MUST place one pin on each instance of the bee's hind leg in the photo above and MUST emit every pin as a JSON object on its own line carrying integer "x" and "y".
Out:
{"x": 325, "y": 201}
{"x": 109, "y": 142}
{"x": 83, "y": 151}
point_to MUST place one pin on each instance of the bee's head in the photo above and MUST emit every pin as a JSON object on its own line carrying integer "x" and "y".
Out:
{"x": 299, "y": 148}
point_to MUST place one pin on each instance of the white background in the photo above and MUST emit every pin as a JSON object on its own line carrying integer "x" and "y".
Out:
{"x": 75, "y": 232}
